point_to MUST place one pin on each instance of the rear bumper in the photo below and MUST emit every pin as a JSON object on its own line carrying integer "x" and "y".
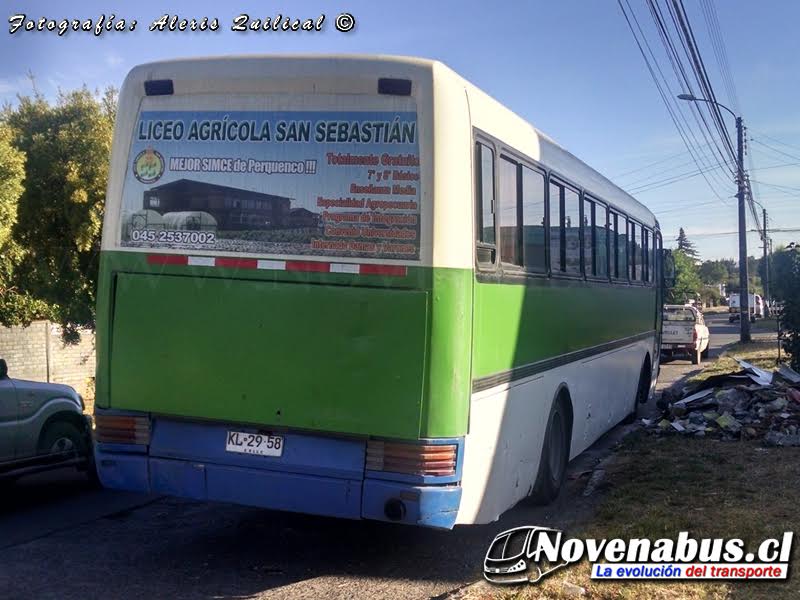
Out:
{"x": 316, "y": 475}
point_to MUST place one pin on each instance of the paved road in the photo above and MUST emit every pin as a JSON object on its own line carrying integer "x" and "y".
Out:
{"x": 60, "y": 539}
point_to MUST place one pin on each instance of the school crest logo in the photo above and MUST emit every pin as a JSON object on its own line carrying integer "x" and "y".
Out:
{"x": 148, "y": 166}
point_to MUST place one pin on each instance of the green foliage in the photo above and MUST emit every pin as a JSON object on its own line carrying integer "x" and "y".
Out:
{"x": 786, "y": 290}
{"x": 687, "y": 280}
{"x": 713, "y": 272}
{"x": 12, "y": 175}
{"x": 710, "y": 296}
{"x": 685, "y": 246}
{"x": 67, "y": 145}
{"x": 15, "y": 307}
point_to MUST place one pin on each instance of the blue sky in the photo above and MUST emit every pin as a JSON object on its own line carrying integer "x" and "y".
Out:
{"x": 570, "y": 67}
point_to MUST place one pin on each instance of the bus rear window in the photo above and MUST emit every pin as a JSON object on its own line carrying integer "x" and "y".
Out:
{"x": 322, "y": 183}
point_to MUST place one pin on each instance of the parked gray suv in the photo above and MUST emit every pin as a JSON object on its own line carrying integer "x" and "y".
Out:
{"x": 42, "y": 426}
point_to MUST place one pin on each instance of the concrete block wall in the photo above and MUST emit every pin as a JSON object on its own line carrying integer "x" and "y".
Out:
{"x": 38, "y": 353}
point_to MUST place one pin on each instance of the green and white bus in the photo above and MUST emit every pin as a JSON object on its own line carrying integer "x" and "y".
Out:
{"x": 359, "y": 287}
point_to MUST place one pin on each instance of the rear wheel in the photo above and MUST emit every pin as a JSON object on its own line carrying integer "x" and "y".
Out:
{"x": 696, "y": 357}
{"x": 555, "y": 455}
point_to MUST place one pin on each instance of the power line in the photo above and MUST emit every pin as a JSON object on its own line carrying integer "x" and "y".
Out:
{"x": 781, "y": 152}
{"x": 665, "y": 96}
{"x": 669, "y": 180}
{"x": 681, "y": 75}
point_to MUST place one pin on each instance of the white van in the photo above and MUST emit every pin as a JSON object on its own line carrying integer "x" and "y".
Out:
{"x": 756, "y": 307}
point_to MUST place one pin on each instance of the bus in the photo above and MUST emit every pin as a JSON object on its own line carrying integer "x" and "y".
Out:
{"x": 359, "y": 287}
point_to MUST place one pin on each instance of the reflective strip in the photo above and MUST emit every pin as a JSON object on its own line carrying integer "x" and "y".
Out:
{"x": 167, "y": 259}
{"x": 306, "y": 266}
{"x": 201, "y": 261}
{"x": 274, "y": 265}
{"x": 344, "y": 268}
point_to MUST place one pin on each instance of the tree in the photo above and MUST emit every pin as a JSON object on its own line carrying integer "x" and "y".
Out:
{"x": 15, "y": 307}
{"x": 713, "y": 272}
{"x": 59, "y": 213}
{"x": 710, "y": 296}
{"x": 687, "y": 281}
{"x": 685, "y": 246}
{"x": 786, "y": 289}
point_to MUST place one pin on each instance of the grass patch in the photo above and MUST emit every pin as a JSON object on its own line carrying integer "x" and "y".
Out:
{"x": 660, "y": 486}
{"x": 770, "y": 324}
{"x": 761, "y": 354}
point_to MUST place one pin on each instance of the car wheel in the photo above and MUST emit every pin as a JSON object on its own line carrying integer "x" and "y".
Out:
{"x": 63, "y": 436}
{"x": 555, "y": 455}
{"x": 696, "y": 357}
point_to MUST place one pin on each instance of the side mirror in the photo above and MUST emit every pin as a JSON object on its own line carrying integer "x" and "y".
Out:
{"x": 668, "y": 268}
{"x": 3, "y": 369}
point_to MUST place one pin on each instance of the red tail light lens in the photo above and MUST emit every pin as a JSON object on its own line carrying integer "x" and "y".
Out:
{"x": 412, "y": 458}
{"x": 122, "y": 429}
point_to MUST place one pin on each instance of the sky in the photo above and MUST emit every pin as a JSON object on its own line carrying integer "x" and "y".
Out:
{"x": 570, "y": 67}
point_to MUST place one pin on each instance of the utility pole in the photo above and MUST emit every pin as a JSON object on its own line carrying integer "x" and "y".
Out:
{"x": 766, "y": 257}
{"x": 744, "y": 291}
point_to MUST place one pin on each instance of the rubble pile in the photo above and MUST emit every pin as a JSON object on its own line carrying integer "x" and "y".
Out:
{"x": 750, "y": 404}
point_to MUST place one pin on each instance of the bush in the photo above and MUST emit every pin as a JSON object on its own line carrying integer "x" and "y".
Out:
{"x": 786, "y": 269}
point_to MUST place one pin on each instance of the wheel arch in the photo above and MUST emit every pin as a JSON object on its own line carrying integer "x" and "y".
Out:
{"x": 564, "y": 396}
{"x": 62, "y": 416}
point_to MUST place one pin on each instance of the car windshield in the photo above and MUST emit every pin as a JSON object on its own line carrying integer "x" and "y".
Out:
{"x": 679, "y": 314}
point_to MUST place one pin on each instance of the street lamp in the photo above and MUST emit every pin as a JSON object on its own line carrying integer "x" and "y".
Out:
{"x": 744, "y": 292}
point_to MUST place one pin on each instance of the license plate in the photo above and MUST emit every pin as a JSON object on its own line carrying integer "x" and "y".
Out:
{"x": 260, "y": 444}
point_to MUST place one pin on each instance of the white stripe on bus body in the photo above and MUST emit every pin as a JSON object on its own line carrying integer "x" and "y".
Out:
{"x": 272, "y": 265}
{"x": 201, "y": 261}
{"x": 345, "y": 268}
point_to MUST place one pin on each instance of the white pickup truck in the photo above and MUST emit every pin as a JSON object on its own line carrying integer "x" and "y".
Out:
{"x": 684, "y": 331}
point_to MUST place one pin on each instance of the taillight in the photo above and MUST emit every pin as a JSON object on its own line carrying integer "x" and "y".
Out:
{"x": 412, "y": 458}
{"x": 121, "y": 429}
{"x": 694, "y": 334}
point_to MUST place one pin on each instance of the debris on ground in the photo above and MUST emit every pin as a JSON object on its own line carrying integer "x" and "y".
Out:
{"x": 749, "y": 404}
{"x": 597, "y": 478}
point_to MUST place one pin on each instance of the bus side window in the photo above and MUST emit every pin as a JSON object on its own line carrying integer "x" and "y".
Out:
{"x": 484, "y": 159}
{"x": 556, "y": 199}
{"x": 640, "y": 258}
{"x": 533, "y": 220}
{"x": 633, "y": 259}
{"x": 507, "y": 213}
{"x": 614, "y": 233}
{"x": 622, "y": 247}
{"x": 645, "y": 254}
{"x": 588, "y": 236}
{"x": 651, "y": 258}
{"x": 572, "y": 231}
{"x": 601, "y": 240}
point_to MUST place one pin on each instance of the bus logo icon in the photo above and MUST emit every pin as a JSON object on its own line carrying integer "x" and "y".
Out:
{"x": 508, "y": 559}
{"x": 148, "y": 166}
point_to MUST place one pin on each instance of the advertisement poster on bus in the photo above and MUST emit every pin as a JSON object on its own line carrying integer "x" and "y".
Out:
{"x": 323, "y": 183}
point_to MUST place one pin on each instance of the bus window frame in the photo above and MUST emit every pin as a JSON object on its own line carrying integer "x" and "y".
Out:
{"x": 498, "y": 271}
{"x": 566, "y": 184}
{"x": 509, "y": 266}
{"x": 477, "y": 202}
{"x": 608, "y": 209}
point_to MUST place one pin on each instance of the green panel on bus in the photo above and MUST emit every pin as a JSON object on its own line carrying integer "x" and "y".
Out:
{"x": 326, "y": 358}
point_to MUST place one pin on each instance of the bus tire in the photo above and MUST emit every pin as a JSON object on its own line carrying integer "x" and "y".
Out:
{"x": 555, "y": 455}
{"x": 642, "y": 392}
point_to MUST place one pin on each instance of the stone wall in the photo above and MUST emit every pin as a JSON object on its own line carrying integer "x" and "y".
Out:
{"x": 37, "y": 352}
